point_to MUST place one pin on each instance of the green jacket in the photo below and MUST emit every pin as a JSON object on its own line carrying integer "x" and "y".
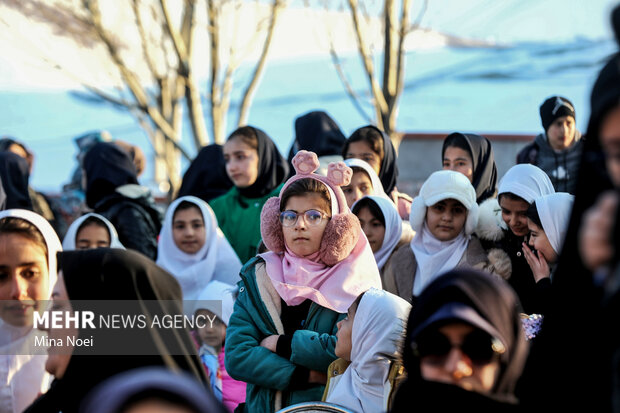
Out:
{"x": 241, "y": 225}
{"x": 257, "y": 315}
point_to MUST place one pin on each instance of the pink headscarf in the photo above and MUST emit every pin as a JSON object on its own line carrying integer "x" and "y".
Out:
{"x": 296, "y": 278}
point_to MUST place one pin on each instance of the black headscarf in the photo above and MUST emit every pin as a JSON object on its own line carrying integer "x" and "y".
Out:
{"x": 317, "y": 132}
{"x": 107, "y": 167}
{"x": 481, "y": 152}
{"x": 388, "y": 174}
{"x": 14, "y": 174}
{"x": 114, "y": 274}
{"x": 119, "y": 392}
{"x": 494, "y": 300}
{"x": 272, "y": 167}
{"x": 572, "y": 356}
{"x": 206, "y": 176}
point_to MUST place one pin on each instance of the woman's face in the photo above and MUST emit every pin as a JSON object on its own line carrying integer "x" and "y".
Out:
{"x": 92, "y": 236}
{"x": 188, "y": 230}
{"x": 360, "y": 186}
{"x": 456, "y": 367}
{"x": 539, "y": 241}
{"x": 59, "y": 355}
{"x": 241, "y": 162}
{"x": 343, "y": 335}
{"x": 610, "y": 141}
{"x": 372, "y": 227}
{"x": 302, "y": 238}
{"x": 24, "y": 278}
{"x": 446, "y": 219}
{"x": 362, "y": 150}
{"x": 513, "y": 214}
{"x": 458, "y": 160}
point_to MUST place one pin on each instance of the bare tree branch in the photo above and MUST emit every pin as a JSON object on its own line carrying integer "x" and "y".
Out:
{"x": 248, "y": 94}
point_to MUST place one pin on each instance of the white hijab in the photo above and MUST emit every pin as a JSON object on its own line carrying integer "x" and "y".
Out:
{"x": 376, "y": 336}
{"x": 216, "y": 260}
{"x": 217, "y": 297}
{"x": 393, "y": 227}
{"x": 435, "y": 257}
{"x": 554, "y": 212}
{"x": 68, "y": 244}
{"x": 23, "y": 376}
{"x": 377, "y": 186}
{"x": 526, "y": 181}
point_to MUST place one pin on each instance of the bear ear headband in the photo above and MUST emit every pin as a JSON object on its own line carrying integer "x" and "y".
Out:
{"x": 343, "y": 229}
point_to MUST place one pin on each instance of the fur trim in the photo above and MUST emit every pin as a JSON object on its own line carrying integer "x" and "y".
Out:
{"x": 490, "y": 223}
{"x": 472, "y": 220}
{"x": 270, "y": 227}
{"x": 499, "y": 263}
{"x": 269, "y": 296}
{"x": 340, "y": 237}
{"x": 273, "y": 304}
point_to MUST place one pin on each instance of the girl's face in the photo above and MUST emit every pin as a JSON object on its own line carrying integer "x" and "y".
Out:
{"x": 212, "y": 331}
{"x": 360, "y": 186}
{"x": 456, "y": 367}
{"x": 458, "y": 160}
{"x": 372, "y": 227}
{"x": 92, "y": 236}
{"x": 539, "y": 241}
{"x": 446, "y": 219}
{"x": 241, "y": 162}
{"x": 513, "y": 214}
{"x": 24, "y": 278}
{"x": 362, "y": 150}
{"x": 610, "y": 141}
{"x": 343, "y": 335}
{"x": 188, "y": 230}
{"x": 302, "y": 238}
{"x": 59, "y": 356}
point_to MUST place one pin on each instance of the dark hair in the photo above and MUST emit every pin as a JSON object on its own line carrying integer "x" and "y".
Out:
{"x": 19, "y": 226}
{"x": 367, "y": 134}
{"x": 372, "y": 206}
{"x": 510, "y": 196}
{"x": 93, "y": 221}
{"x": 247, "y": 134}
{"x": 456, "y": 140}
{"x": 357, "y": 169}
{"x": 532, "y": 214}
{"x": 357, "y": 301}
{"x": 303, "y": 187}
{"x": 186, "y": 205}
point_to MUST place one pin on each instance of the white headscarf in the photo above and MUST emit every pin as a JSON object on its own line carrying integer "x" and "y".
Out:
{"x": 377, "y": 333}
{"x": 68, "y": 244}
{"x": 217, "y": 297}
{"x": 393, "y": 227}
{"x": 23, "y": 376}
{"x": 377, "y": 186}
{"x": 435, "y": 257}
{"x": 526, "y": 181}
{"x": 554, "y": 212}
{"x": 216, "y": 260}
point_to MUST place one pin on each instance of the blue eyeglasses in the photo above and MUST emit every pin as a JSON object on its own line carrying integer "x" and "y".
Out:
{"x": 312, "y": 217}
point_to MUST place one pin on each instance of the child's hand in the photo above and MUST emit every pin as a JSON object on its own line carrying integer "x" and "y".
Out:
{"x": 537, "y": 263}
{"x": 317, "y": 377}
{"x": 270, "y": 342}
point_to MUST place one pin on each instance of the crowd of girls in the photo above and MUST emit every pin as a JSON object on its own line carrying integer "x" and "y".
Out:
{"x": 324, "y": 283}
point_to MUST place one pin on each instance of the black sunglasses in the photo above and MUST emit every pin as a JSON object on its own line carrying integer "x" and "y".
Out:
{"x": 478, "y": 346}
